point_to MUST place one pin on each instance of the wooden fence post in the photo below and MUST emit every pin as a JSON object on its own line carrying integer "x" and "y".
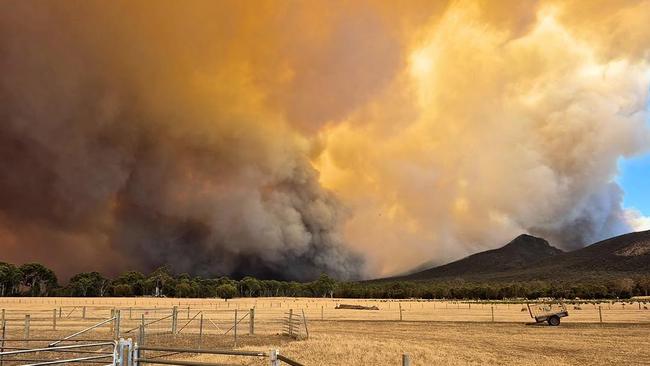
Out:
{"x": 53, "y": 319}
{"x": 400, "y": 311}
{"x": 83, "y": 312}
{"x": 304, "y": 319}
{"x": 117, "y": 324}
{"x": 113, "y": 322}
{"x": 492, "y": 308}
{"x": 141, "y": 340}
{"x": 59, "y": 311}
{"x": 130, "y": 313}
{"x": 2, "y": 319}
{"x": 321, "y": 312}
{"x": 200, "y": 330}
{"x": 600, "y": 313}
{"x": 235, "y": 328}
{"x": 291, "y": 322}
{"x": 27, "y": 326}
{"x": 251, "y": 321}
{"x": 2, "y": 345}
{"x": 406, "y": 359}
{"x": 174, "y": 319}
{"x": 188, "y": 311}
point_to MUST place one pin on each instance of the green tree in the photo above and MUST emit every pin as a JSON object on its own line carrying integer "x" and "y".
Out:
{"x": 161, "y": 282}
{"x": 10, "y": 277}
{"x": 250, "y": 286}
{"x": 226, "y": 291}
{"x": 39, "y": 279}
{"x": 122, "y": 290}
{"x": 135, "y": 280}
{"x": 89, "y": 284}
{"x": 324, "y": 286}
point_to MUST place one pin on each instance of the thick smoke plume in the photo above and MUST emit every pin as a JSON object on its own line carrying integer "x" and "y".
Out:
{"x": 279, "y": 138}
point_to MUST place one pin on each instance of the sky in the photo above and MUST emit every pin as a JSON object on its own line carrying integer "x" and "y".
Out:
{"x": 635, "y": 181}
{"x": 284, "y": 139}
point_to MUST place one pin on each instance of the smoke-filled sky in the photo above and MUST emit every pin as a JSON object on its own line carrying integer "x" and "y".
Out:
{"x": 289, "y": 138}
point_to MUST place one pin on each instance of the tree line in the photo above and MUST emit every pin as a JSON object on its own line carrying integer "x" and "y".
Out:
{"x": 34, "y": 279}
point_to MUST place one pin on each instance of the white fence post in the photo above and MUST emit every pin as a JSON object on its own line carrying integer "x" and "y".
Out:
{"x": 274, "y": 357}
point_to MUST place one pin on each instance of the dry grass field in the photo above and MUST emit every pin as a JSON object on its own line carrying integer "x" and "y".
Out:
{"x": 432, "y": 332}
{"x": 448, "y": 343}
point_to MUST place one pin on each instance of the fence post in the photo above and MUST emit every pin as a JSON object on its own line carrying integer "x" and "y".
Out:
{"x": 141, "y": 343}
{"x": 83, "y": 312}
{"x": 174, "y": 319}
{"x": 27, "y": 326}
{"x": 235, "y": 328}
{"x": 251, "y": 321}
{"x": 291, "y": 322}
{"x": 273, "y": 355}
{"x": 59, "y": 311}
{"x": 53, "y": 319}
{"x": 321, "y": 312}
{"x": 2, "y": 345}
{"x": 113, "y": 322}
{"x": 600, "y": 313}
{"x": 400, "y": 311}
{"x": 117, "y": 324}
{"x": 492, "y": 307}
{"x": 304, "y": 319}
{"x": 188, "y": 311}
{"x": 406, "y": 359}
{"x": 127, "y": 357}
{"x": 3, "y": 316}
{"x": 200, "y": 330}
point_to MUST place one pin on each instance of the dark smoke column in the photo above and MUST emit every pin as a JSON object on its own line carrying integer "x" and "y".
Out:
{"x": 126, "y": 142}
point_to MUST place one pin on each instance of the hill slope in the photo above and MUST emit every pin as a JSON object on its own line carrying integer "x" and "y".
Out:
{"x": 531, "y": 258}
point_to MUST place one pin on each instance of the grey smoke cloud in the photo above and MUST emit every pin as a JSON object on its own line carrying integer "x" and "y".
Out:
{"x": 133, "y": 136}
{"x": 279, "y": 139}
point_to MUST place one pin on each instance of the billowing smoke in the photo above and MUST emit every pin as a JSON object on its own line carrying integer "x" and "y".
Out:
{"x": 507, "y": 119}
{"x": 136, "y": 136}
{"x": 278, "y": 139}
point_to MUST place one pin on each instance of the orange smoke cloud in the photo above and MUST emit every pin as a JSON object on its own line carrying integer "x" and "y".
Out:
{"x": 235, "y": 137}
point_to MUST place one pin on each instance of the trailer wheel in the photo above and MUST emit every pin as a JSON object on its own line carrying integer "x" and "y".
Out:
{"x": 554, "y": 321}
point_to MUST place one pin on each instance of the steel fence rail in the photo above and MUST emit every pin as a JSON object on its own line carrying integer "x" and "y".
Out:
{"x": 208, "y": 351}
{"x": 70, "y": 360}
{"x": 289, "y": 361}
{"x": 182, "y": 362}
{"x": 83, "y": 331}
{"x": 51, "y": 349}
{"x": 151, "y": 322}
{"x": 188, "y": 322}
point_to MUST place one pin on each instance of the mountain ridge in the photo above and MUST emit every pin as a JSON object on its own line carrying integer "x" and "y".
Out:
{"x": 531, "y": 258}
